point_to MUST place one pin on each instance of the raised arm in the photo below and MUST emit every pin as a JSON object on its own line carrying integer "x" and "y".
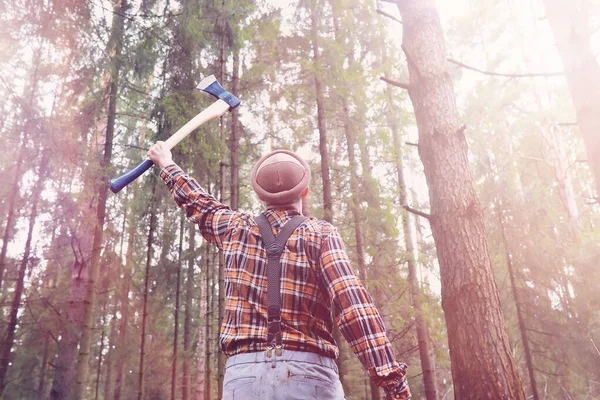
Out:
{"x": 212, "y": 217}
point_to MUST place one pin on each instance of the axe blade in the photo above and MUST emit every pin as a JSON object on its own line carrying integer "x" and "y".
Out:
{"x": 211, "y": 85}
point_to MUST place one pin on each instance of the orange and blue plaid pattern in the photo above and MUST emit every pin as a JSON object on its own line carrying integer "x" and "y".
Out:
{"x": 318, "y": 284}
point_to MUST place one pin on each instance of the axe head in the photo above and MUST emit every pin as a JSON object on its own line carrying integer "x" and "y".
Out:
{"x": 211, "y": 85}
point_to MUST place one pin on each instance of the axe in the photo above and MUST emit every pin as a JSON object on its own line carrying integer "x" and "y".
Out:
{"x": 226, "y": 101}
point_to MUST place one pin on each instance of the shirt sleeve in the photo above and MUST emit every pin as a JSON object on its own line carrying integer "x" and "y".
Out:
{"x": 213, "y": 218}
{"x": 357, "y": 316}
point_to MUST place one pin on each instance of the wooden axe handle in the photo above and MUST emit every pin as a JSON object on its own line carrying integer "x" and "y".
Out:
{"x": 215, "y": 110}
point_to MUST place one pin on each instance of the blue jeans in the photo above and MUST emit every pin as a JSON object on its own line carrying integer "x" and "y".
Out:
{"x": 296, "y": 376}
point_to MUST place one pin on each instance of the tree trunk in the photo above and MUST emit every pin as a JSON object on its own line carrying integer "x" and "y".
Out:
{"x": 560, "y": 164}
{"x": 69, "y": 333}
{"x": 320, "y": 100}
{"x": 187, "y": 322}
{"x": 325, "y": 169}
{"x": 9, "y": 336}
{"x": 99, "y": 363}
{"x": 41, "y": 390}
{"x": 11, "y": 217}
{"x": 571, "y": 29}
{"x": 480, "y": 354}
{"x": 235, "y": 136}
{"x": 221, "y": 300}
{"x": 208, "y": 317}
{"x": 429, "y": 380}
{"x": 12, "y": 208}
{"x": 358, "y": 217}
{"x": 149, "y": 252}
{"x": 222, "y": 23}
{"x": 518, "y": 305}
{"x": 176, "y": 313}
{"x": 117, "y": 38}
{"x": 124, "y": 310}
{"x": 110, "y": 355}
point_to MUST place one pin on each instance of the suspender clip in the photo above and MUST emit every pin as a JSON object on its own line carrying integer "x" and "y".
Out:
{"x": 269, "y": 351}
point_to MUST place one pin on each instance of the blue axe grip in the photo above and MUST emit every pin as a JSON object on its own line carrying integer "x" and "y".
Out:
{"x": 217, "y": 90}
{"x": 119, "y": 183}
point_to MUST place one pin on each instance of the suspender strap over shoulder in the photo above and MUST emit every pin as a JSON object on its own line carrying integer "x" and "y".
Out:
{"x": 275, "y": 247}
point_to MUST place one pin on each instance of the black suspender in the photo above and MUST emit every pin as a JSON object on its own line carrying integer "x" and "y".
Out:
{"x": 274, "y": 247}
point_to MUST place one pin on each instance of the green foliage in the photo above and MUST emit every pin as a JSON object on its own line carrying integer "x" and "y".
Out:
{"x": 526, "y": 160}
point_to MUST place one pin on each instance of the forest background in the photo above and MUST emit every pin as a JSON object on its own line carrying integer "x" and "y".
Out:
{"x": 483, "y": 262}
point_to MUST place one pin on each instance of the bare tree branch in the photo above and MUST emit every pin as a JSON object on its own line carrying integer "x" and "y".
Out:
{"x": 541, "y": 332}
{"x": 390, "y": 16}
{"x": 392, "y": 82}
{"x": 546, "y": 372}
{"x": 507, "y": 75}
{"x": 417, "y": 212}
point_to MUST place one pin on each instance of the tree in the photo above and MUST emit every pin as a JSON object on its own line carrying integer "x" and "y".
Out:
{"x": 124, "y": 311}
{"x": 415, "y": 291}
{"x": 570, "y": 26}
{"x": 479, "y": 347}
{"x": 187, "y": 323}
{"x": 116, "y": 42}
{"x": 149, "y": 252}
{"x": 7, "y": 345}
{"x": 176, "y": 313}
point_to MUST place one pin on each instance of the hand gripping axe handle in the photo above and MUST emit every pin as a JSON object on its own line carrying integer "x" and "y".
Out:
{"x": 226, "y": 101}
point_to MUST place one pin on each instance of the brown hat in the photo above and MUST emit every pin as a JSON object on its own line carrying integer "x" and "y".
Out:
{"x": 280, "y": 177}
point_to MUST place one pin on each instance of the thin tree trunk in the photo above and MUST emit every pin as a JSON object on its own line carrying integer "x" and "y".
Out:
{"x": 358, "y": 217}
{"x": 482, "y": 363}
{"x": 124, "y": 311}
{"x": 208, "y": 317}
{"x": 110, "y": 355}
{"x": 325, "y": 168}
{"x": 12, "y": 208}
{"x": 187, "y": 324}
{"x": 176, "y": 313}
{"x": 117, "y": 37}
{"x": 234, "y": 145}
{"x": 563, "y": 178}
{"x": 103, "y": 334}
{"x": 221, "y": 299}
{"x": 221, "y": 278}
{"x": 99, "y": 363}
{"x": 518, "y": 305}
{"x": 17, "y": 175}
{"x": 149, "y": 252}
{"x": 41, "y": 390}
{"x": 321, "y": 118}
{"x": 571, "y": 29}
{"x": 69, "y": 333}
{"x": 429, "y": 381}
{"x": 9, "y": 336}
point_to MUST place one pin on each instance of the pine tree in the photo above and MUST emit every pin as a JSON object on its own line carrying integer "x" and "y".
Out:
{"x": 469, "y": 292}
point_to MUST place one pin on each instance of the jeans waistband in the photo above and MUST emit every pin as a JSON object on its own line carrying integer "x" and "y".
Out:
{"x": 288, "y": 355}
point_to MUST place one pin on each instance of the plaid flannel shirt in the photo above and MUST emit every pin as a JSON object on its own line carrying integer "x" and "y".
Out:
{"x": 316, "y": 279}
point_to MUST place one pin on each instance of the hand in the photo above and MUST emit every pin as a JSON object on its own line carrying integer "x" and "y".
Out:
{"x": 400, "y": 390}
{"x": 160, "y": 154}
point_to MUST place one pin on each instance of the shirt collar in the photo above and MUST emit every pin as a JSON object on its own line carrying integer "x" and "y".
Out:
{"x": 279, "y": 216}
